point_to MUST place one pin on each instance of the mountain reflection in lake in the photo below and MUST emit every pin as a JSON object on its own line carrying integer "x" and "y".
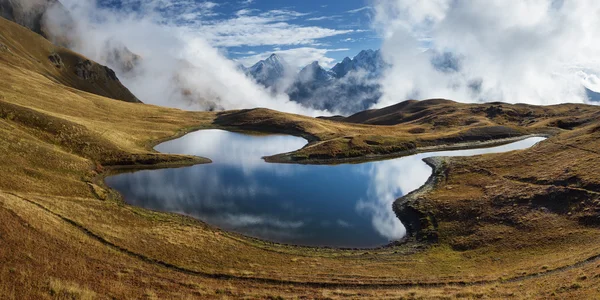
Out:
{"x": 346, "y": 205}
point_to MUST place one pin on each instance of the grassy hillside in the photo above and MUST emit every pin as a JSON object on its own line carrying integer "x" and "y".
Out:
{"x": 410, "y": 127}
{"x": 519, "y": 224}
{"x": 24, "y": 49}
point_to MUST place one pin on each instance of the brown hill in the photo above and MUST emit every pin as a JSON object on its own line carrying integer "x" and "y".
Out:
{"x": 440, "y": 111}
{"x": 411, "y": 126}
{"x": 22, "y": 48}
{"x": 521, "y": 224}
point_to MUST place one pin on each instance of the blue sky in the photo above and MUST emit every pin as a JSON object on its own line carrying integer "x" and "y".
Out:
{"x": 250, "y": 30}
{"x": 354, "y": 15}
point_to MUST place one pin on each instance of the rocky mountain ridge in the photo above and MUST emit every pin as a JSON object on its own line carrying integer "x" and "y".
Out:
{"x": 350, "y": 86}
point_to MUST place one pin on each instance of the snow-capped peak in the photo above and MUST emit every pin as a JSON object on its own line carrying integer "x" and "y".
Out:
{"x": 314, "y": 72}
{"x": 368, "y": 60}
{"x": 267, "y": 72}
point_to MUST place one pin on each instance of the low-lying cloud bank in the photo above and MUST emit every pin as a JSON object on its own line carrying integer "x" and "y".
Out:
{"x": 165, "y": 63}
{"x": 537, "y": 51}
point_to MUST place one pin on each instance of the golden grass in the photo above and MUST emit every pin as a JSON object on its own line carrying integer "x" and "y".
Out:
{"x": 432, "y": 125}
{"x": 69, "y": 291}
{"x": 63, "y": 233}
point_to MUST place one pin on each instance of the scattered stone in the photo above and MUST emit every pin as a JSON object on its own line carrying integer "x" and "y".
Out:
{"x": 56, "y": 60}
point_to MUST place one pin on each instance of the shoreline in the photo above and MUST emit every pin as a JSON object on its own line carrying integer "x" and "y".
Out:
{"x": 285, "y": 158}
{"x": 409, "y": 243}
{"x": 64, "y": 235}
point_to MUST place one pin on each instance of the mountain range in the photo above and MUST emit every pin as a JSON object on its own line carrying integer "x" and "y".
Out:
{"x": 350, "y": 86}
{"x": 268, "y": 72}
{"x": 531, "y": 216}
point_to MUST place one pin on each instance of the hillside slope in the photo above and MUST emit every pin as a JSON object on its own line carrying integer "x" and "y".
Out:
{"x": 410, "y": 127}
{"x": 528, "y": 216}
{"x": 22, "y": 48}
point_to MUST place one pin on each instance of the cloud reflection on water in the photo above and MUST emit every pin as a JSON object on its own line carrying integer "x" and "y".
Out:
{"x": 393, "y": 178}
{"x": 236, "y": 149}
{"x": 346, "y": 205}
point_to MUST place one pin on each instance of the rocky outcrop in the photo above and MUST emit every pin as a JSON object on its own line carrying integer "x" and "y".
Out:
{"x": 99, "y": 75}
{"x": 56, "y": 60}
{"x": 84, "y": 70}
{"x": 110, "y": 74}
{"x": 87, "y": 70}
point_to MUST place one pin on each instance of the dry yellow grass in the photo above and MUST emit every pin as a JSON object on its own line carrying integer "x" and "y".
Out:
{"x": 63, "y": 234}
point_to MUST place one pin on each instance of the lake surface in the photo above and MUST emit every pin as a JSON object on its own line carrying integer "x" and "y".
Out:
{"x": 347, "y": 205}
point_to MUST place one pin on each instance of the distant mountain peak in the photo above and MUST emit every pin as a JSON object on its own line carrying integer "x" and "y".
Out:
{"x": 366, "y": 52}
{"x": 273, "y": 58}
{"x": 268, "y": 72}
{"x": 312, "y": 67}
{"x": 368, "y": 60}
{"x": 322, "y": 88}
{"x": 315, "y": 73}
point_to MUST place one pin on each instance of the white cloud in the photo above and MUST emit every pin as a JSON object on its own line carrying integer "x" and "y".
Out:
{"x": 207, "y": 5}
{"x": 394, "y": 178}
{"x": 249, "y": 27}
{"x": 243, "y": 52}
{"x": 518, "y": 51}
{"x": 245, "y": 12}
{"x": 296, "y": 57}
{"x": 353, "y": 11}
{"x": 243, "y": 151}
{"x": 591, "y": 81}
{"x": 323, "y": 18}
{"x": 343, "y": 223}
{"x": 254, "y": 28}
{"x": 245, "y": 220}
{"x": 178, "y": 68}
{"x": 183, "y": 10}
